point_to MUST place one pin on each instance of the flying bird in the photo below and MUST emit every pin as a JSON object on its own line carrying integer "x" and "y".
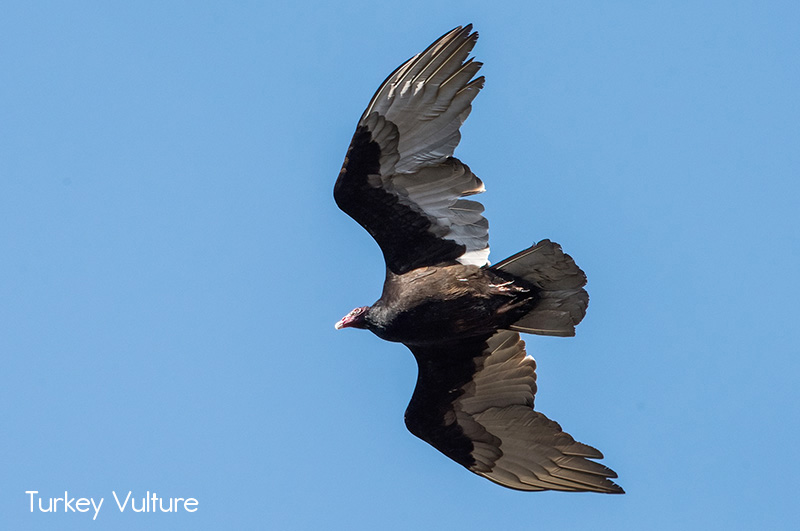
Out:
{"x": 459, "y": 316}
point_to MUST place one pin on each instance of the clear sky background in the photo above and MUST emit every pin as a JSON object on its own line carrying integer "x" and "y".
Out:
{"x": 172, "y": 261}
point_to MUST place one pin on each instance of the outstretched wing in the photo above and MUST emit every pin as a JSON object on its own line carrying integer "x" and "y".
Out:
{"x": 399, "y": 179}
{"x": 474, "y": 403}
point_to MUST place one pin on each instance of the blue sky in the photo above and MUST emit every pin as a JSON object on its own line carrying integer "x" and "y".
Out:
{"x": 172, "y": 261}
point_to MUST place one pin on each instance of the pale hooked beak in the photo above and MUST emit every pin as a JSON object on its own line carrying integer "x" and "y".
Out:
{"x": 339, "y": 325}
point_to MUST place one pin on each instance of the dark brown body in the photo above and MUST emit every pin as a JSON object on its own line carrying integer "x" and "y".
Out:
{"x": 431, "y": 305}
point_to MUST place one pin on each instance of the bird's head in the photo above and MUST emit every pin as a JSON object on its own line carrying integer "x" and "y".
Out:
{"x": 354, "y": 319}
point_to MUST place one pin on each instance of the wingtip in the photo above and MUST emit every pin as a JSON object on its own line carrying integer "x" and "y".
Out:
{"x": 616, "y": 489}
{"x": 465, "y": 30}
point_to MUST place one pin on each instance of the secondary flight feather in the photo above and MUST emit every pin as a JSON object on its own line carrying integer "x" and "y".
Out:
{"x": 458, "y": 315}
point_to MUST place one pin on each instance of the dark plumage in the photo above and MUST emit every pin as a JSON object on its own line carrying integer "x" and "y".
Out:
{"x": 460, "y": 316}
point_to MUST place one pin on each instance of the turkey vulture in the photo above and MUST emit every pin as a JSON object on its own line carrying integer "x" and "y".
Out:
{"x": 458, "y": 315}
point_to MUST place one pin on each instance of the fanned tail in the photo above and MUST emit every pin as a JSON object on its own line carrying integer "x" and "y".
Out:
{"x": 563, "y": 301}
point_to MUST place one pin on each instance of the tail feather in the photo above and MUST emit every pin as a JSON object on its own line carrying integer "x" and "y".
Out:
{"x": 563, "y": 301}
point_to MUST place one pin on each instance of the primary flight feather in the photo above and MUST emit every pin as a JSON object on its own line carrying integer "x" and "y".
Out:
{"x": 459, "y": 316}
